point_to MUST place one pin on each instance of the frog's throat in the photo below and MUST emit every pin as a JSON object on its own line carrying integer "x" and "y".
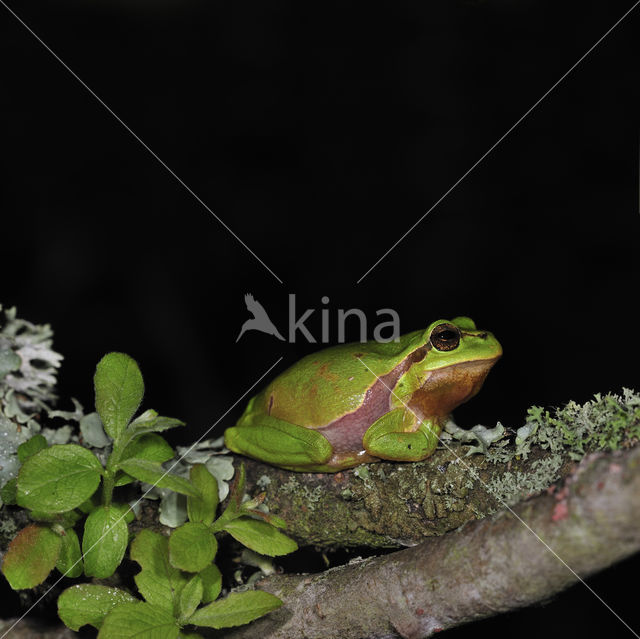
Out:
{"x": 441, "y": 392}
{"x": 448, "y": 387}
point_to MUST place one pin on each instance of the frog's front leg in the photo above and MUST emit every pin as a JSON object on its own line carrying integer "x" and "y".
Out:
{"x": 278, "y": 442}
{"x": 400, "y": 436}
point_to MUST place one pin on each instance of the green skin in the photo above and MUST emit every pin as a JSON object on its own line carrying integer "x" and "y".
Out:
{"x": 292, "y": 423}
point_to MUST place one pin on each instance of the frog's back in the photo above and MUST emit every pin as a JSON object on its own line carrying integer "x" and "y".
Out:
{"x": 326, "y": 385}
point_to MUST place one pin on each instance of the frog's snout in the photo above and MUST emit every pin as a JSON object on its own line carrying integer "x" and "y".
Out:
{"x": 494, "y": 344}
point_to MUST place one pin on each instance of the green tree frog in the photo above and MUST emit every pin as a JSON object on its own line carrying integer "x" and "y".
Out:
{"x": 363, "y": 402}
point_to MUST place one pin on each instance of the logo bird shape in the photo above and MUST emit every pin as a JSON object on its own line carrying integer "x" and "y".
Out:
{"x": 260, "y": 320}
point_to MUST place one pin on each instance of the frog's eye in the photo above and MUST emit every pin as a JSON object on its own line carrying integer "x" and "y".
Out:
{"x": 445, "y": 337}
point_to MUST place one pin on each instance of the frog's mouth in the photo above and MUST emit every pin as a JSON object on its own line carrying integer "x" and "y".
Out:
{"x": 448, "y": 387}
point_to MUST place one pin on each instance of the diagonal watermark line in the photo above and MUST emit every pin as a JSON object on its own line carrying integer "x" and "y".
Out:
{"x": 519, "y": 121}
{"x": 507, "y": 507}
{"x": 206, "y": 432}
{"x": 133, "y": 133}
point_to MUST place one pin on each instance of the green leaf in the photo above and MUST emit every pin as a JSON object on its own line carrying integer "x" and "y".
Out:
{"x": 66, "y": 519}
{"x": 140, "y": 620}
{"x": 158, "y": 581}
{"x": 235, "y": 501}
{"x": 148, "y": 422}
{"x": 237, "y": 490}
{"x": 31, "y": 556}
{"x": 58, "y": 478}
{"x": 151, "y": 422}
{"x": 90, "y": 504}
{"x": 148, "y": 416}
{"x": 70, "y": 559}
{"x": 192, "y": 547}
{"x": 236, "y": 609}
{"x": 119, "y": 390}
{"x": 31, "y": 447}
{"x": 122, "y": 479}
{"x": 260, "y": 536}
{"x": 203, "y": 508}
{"x": 190, "y": 597}
{"x": 274, "y": 520}
{"x": 149, "y": 446}
{"x": 105, "y": 540}
{"x": 8, "y": 493}
{"x": 89, "y": 604}
{"x": 153, "y": 473}
{"x": 211, "y": 583}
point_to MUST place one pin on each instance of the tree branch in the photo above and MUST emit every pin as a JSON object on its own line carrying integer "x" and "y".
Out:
{"x": 487, "y": 567}
{"x": 386, "y": 505}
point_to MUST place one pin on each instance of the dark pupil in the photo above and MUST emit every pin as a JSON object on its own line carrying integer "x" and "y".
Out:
{"x": 445, "y": 338}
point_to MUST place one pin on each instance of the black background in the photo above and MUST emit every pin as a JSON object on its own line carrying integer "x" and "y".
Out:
{"x": 320, "y": 133}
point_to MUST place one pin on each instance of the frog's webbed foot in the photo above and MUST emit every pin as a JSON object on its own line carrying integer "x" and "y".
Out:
{"x": 400, "y": 436}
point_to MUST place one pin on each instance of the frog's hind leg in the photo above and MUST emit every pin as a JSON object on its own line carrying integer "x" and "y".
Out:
{"x": 400, "y": 436}
{"x": 278, "y": 442}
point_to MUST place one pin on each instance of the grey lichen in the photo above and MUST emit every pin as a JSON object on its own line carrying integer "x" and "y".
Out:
{"x": 362, "y": 472}
{"x": 310, "y": 495}
{"x": 263, "y": 482}
{"x": 480, "y": 435}
{"x": 607, "y": 422}
{"x": 28, "y": 366}
{"x": 290, "y": 487}
{"x": 92, "y": 431}
{"x": 28, "y": 369}
{"x": 512, "y": 486}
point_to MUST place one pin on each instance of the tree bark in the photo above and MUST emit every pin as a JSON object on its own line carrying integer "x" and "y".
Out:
{"x": 509, "y": 560}
{"x": 388, "y": 505}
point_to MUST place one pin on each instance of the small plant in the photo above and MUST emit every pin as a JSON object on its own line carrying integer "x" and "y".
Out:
{"x": 178, "y": 574}
{"x": 59, "y": 486}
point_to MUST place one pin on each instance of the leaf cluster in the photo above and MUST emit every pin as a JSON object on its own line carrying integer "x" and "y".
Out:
{"x": 59, "y": 485}
{"x": 177, "y": 574}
